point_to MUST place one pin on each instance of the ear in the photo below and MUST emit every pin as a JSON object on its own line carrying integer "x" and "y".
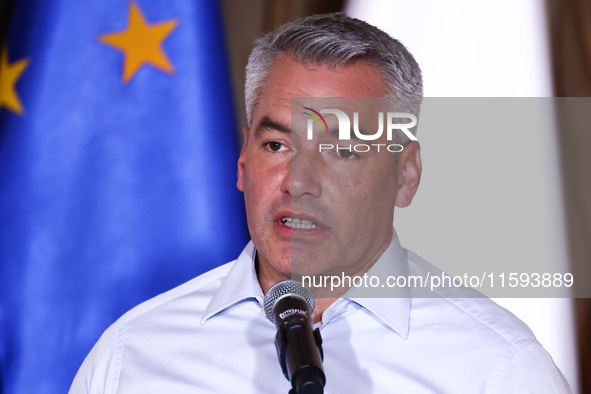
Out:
{"x": 242, "y": 161}
{"x": 409, "y": 169}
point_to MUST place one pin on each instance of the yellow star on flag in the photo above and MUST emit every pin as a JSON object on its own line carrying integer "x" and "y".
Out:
{"x": 9, "y": 75}
{"x": 141, "y": 43}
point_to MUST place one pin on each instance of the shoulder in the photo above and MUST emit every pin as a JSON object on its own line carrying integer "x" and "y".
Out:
{"x": 494, "y": 341}
{"x": 198, "y": 290}
{"x": 101, "y": 369}
{"x": 467, "y": 307}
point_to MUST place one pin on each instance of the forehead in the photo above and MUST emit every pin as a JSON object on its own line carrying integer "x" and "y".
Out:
{"x": 288, "y": 78}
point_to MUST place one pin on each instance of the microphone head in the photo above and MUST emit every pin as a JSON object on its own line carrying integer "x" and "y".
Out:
{"x": 286, "y": 288}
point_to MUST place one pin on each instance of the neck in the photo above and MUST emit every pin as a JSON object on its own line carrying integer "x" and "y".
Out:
{"x": 268, "y": 276}
{"x": 267, "y": 280}
{"x": 321, "y": 304}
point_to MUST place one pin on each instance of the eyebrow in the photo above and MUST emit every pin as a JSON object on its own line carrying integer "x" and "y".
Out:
{"x": 268, "y": 124}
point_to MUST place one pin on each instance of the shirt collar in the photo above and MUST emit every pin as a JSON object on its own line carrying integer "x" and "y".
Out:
{"x": 388, "y": 304}
{"x": 391, "y": 305}
{"x": 241, "y": 283}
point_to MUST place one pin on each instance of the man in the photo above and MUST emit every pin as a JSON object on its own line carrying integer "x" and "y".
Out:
{"x": 328, "y": 213}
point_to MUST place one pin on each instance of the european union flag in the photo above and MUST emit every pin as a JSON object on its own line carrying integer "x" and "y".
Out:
{"x": 118, "y": 158}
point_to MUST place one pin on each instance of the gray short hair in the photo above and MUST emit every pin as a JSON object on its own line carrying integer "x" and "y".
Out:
{"x": 338, "y": 41}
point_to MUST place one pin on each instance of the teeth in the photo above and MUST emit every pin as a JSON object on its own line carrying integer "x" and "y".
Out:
{"x": 298, "y": 223}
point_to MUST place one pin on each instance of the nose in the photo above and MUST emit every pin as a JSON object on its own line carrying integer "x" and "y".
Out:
{"x": 303, "y": 177}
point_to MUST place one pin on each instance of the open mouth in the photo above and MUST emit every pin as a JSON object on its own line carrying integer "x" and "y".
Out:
{"x": 298, "y": 223}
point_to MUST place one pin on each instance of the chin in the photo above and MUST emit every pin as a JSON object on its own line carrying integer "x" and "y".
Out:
{"x": 307, "y": 268}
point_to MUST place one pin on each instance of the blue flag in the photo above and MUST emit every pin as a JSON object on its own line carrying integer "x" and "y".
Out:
{"x": 118, "y": 158}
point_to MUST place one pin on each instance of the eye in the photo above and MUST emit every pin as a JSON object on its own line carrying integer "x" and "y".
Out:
{"x": 346, "y": 154}
{"x": 275, "y": 146}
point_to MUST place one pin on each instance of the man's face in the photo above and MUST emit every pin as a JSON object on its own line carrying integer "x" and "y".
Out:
{"x": 312, "y": 212}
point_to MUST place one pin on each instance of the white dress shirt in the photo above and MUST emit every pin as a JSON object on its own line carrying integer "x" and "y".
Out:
{"x": 210, "y": 335}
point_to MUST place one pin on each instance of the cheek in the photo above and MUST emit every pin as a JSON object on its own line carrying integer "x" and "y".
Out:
{"x": 251, "y": 193}
{"x": 259, "y": 186}
{"x": 351, "y": 200}
{"x": 373, "y": 198}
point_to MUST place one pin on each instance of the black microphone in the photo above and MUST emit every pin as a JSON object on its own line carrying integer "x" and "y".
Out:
{"x": 289, "y": 305}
